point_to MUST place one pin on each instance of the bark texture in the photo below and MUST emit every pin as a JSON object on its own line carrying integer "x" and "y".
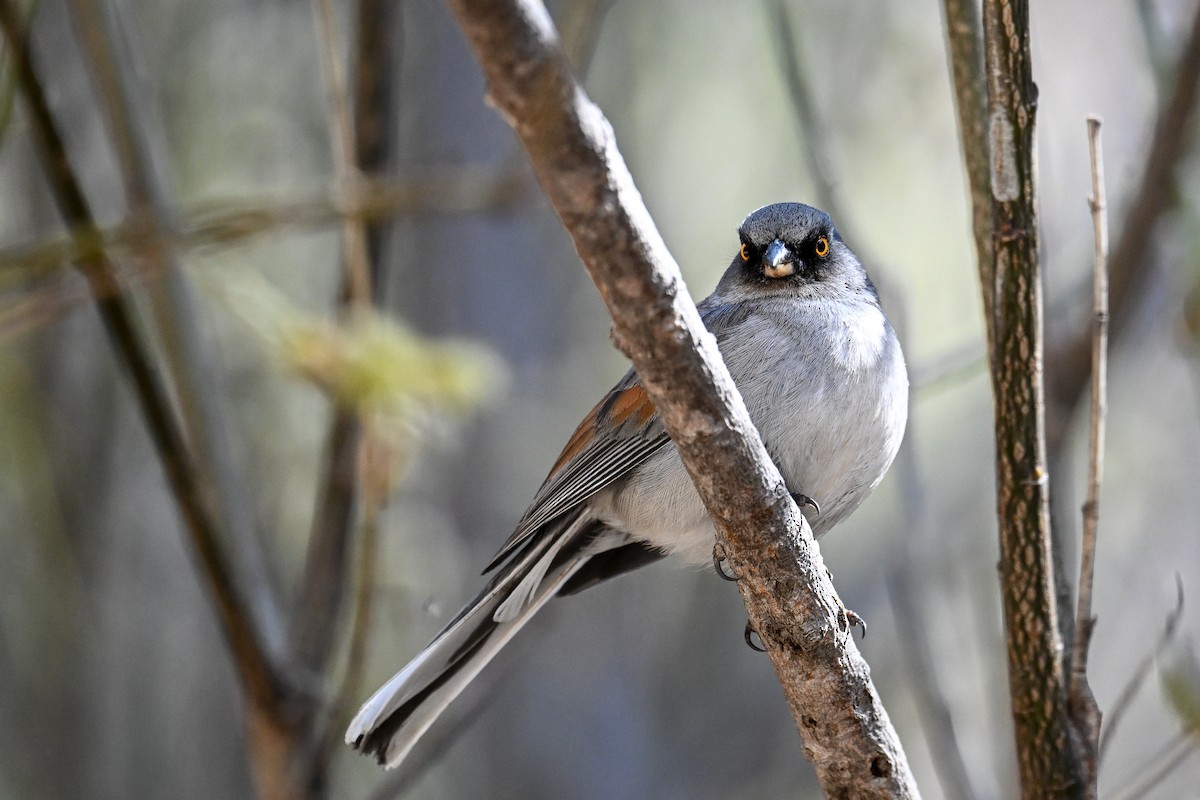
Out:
{"x": 1047, "y": 752}
{"x": 788, "y": 595}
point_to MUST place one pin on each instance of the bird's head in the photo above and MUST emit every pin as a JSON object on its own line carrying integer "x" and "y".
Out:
{"x": 794, "y": 249}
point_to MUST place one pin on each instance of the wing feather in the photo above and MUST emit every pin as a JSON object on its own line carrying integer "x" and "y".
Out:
{"x": 620, "y": 433}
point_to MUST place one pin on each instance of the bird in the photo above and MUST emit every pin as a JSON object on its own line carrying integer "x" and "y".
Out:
{"x": 799, "y": 325}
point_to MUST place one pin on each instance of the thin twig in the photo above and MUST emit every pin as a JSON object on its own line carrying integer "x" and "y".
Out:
{"x": 363, "y": 600}
{"x": 1083, "y": 704}
{"x": 259, "y": 679}
{"x": 1138, "y": 678}
{"x": 345, "y": 165}
{"x": 323, "y": 587}
{"x": 1161, "y": 765}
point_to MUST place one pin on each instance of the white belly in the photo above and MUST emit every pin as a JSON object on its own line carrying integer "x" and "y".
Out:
{"x": 830, "y": 403}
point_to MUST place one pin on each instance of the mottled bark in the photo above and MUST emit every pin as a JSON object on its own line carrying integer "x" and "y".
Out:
{"x": 1047, "y": 751}
{"x": 788, "y": 595}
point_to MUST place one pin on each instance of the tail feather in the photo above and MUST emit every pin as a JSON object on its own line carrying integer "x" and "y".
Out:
{"x": 398, "y": 714}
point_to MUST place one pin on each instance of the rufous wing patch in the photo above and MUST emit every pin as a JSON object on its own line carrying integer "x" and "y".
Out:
{"x": 618, "y": 408}
{"x": 629, "y": 404}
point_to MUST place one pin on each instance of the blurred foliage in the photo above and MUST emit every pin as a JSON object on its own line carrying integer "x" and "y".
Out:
{"x": 367, "y": 362}
{"x": 1181, "y": 685}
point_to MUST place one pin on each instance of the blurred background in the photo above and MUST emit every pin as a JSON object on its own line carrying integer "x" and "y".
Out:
{"x": 115, "y": 680}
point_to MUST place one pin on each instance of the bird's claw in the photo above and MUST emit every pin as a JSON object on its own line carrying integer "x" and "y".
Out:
{"x": 749, "y": 635}
{"x": 803, "y": 500}
{"x": 853, "y": 620}
{"x": 719, "y": 559}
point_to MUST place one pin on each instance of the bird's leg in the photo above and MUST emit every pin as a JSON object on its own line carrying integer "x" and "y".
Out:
{"x": 803, "y": 500}
{"x": 719, "y": 559}
{"x": 749, "y": 635}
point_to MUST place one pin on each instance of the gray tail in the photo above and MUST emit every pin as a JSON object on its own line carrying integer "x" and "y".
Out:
{"x": 396, "y": 716}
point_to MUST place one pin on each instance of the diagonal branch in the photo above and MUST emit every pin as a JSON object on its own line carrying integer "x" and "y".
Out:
{"x": 787, "y": 592}
{"x": 259, "y": 679}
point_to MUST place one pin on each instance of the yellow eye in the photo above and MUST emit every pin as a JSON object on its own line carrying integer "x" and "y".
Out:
{"x": 745, "y": 252}
{"x": 822, "y": 248}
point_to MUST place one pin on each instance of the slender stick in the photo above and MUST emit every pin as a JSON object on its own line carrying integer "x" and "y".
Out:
{"x": 1131, "y": 266}
{"x": 345, "y": 165}
{"x": 323, "y": 588}
{"x": 1084, "y": 709}
{"x": 816, "y": 155}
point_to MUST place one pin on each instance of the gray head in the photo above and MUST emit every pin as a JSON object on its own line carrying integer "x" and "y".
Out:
{"x": 794, "y": 249}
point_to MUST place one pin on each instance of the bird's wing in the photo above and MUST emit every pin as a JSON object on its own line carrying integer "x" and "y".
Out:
{"x": 621, "y": 432}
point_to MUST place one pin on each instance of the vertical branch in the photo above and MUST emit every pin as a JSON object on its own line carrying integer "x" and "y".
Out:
{"x": 1047, "y": 753}
{"x": 374, "y": 83}
{"x": 1084, "y": 710}
{"x": 357, "y": 463}
{"x": 323, "y": 588}
{"x": 345, "y": 166}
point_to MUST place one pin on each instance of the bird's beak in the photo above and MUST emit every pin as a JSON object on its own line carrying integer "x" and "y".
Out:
{"x": 778, "y": 261}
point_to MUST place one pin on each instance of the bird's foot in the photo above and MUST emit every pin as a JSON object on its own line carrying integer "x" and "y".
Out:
{"x": 719, "y": 560}
{"x": 853, "y": 620}
{"x": 803, "y": 500}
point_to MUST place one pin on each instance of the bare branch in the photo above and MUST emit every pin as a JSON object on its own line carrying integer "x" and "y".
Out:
{"x": 356, "y": 470}
{"x": 1083, "y": 703}
{"x": 319, "y": 600}
{"x": 259, "y": 679}
{"x": 1047, "y": 751}
{"x": 787, "y": 592}
{"x": 345, "y": 165}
